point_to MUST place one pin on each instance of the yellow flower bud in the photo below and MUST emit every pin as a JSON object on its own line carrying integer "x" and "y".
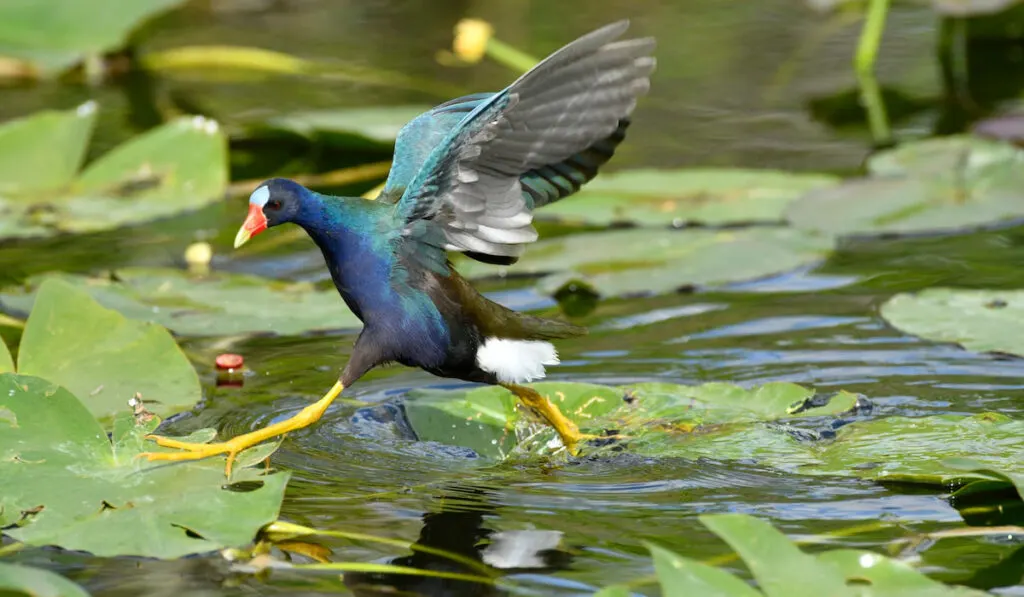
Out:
{"x": 471, "y": 37}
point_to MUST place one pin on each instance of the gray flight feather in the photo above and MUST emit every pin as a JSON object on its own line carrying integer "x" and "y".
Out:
{"x": 535, "y": 142}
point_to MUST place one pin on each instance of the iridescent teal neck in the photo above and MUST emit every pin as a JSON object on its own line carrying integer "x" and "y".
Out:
{"x": 357, "y": 239}
{"x": 354, "y": 243}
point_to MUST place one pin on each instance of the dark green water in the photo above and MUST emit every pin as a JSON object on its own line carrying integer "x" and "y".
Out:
{"x": 735, "y": 86}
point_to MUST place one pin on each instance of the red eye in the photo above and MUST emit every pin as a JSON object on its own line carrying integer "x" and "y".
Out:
{"x": 274, "y": 204}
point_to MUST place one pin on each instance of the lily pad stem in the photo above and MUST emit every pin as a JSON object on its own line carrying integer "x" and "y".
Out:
{"x": 864, "y": 65}
{"x": 509, "y": 56}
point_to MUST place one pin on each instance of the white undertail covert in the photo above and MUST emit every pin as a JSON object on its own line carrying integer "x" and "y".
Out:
{"x": 516, "y": 361}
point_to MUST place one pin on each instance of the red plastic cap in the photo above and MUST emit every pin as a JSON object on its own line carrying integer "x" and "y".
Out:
{"x": 229, "y": 361}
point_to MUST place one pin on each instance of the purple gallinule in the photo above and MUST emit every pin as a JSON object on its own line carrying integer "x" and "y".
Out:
{"x": 466, "y": 177}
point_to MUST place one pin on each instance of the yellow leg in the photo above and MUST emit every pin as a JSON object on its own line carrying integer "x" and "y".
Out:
{"x": 567, "y": 430}
{"x": 307, "y": 416}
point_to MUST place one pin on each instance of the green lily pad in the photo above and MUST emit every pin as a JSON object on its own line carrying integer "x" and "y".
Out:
{"x": 683, "y": 577}
{"x": 726, "y": 422}
{"x": 943, "y": 155}
{"x": 34, "y": 582}
{"x": 925, "y": 186}
{"x": 213, "y": 304}
{"x": 53, "y": 35}
{"x": 979, "y": 320}
{"x": 772, "y": 559}
{"x": 782, "y": 569}
{"x": 919, "y": 449}
{"x": 887, "y": 576}
{"x": 484, "y": 419}
{"x": 659, "y": 418}
{"x": 352, "y": 127}
{"x": 717, "y": 402}
{"x": 102, "y": 356}
{"x": 178, "y": 167}
{"x": 45, "y": 151}
{"x": 677, "y": 197}
{"x": 480, "y": 420}
{"x": 644, "y": 261}
{"x": 984, "y": 481}
{"x": 67, "y": 484}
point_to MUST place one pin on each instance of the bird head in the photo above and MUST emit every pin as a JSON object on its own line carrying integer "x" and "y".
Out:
{"x": 274, "y": 202}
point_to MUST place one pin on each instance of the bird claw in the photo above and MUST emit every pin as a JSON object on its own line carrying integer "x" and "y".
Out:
{"x": 192, "y": 451}
{"x": 232, "y": 447}
{"x": 591, "y": 440}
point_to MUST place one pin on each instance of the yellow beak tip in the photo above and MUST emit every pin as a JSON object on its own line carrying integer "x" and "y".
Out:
{"x": 242, "y": 237}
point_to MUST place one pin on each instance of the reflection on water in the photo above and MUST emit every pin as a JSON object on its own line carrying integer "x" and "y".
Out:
{"x": 459, "y": 526}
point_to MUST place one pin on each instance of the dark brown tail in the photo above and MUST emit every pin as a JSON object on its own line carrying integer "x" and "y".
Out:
{"x": 542, "y": 328}
{"x": 497, "y": 320}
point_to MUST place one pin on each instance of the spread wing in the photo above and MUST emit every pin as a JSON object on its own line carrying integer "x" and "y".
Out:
{"x": 420, "y": 136}
{"x": 535, "y": 142}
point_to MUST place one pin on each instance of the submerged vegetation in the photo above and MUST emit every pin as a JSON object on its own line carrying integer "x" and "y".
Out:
{"x": 98, "y": 352}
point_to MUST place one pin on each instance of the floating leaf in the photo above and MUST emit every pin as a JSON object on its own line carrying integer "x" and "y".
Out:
{"x": 773, "y": 559}
{"x": 219, "y": 58}
{"x": 919, "y": 449}
{"x": 67, "y": 484}
{"x": 214, "y": 304}
{"x": 44, "y": 152}
{"x": 991, "y": 480}
{"x": 726, "y": 422}
{"x": 34, "y": 582}
{"x": 943, "y": 155}
{"x": 658, "y": 418}
{"x": 174, "y": 168}
{"x": 887, "y": 576}
{"x": 979, "y": 320}
{"x": 708, "y": 196}
{"x": 641, "y": 261}
{"x": 483, "y": 419}
{"x": 718, "y": 402}
{"x": 353, "y": 127}
{"x": 178, "y": 167}
{"x": 103, "y": 357}
{"x": 683, "y": 577}
{"x": 55, "y": 34}
{"x": 781, "y": 569}
{"x": 935, "y": 185}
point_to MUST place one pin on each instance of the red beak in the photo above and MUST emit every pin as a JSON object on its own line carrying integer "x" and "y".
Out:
{"x": 254, "y": 223}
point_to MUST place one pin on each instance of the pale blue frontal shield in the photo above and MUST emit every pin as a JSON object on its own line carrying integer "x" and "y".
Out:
{"x": 259, "y": 196}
